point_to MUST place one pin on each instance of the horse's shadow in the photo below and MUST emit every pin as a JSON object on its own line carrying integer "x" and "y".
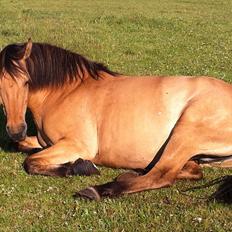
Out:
{"x": 223, "y": 193}
{"x": 6, "y": 144}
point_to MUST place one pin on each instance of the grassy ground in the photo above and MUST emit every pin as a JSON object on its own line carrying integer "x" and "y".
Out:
{"x": 174, "y": 37}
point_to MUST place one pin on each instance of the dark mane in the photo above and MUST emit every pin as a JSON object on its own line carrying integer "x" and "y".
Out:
{"x": 49, "y": 65}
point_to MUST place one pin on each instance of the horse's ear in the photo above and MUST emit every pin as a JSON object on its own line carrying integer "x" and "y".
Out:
{"x": 28, "y": 48}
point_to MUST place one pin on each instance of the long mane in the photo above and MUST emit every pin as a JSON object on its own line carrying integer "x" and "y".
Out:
{"x": 49, "y": 65}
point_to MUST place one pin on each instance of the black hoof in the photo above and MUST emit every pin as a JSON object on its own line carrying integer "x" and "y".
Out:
{"x": 84, "y": 168}
{"x": 88, "y": 193}
{"x": 110, "y": 189}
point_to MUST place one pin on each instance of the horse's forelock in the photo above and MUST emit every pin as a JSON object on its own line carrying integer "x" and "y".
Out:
{"x": 9, "y": 59}
{"x": 15, "y": 51}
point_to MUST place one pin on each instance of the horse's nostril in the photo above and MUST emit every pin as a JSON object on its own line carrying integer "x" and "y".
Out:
{"x": 17, "y": 137}
{"x": 17, "y": 133}
{"x": 23, "y": 127}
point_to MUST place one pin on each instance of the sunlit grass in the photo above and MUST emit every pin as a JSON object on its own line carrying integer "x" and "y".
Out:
{"x": 170, "y": 37}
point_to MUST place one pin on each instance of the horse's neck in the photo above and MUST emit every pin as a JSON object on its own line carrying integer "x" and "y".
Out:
{"x": 36, "y": 100}
{"x": 39, "y": 100}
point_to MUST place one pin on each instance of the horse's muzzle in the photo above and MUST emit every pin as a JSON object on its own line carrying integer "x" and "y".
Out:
{"x": 17, "y": 133}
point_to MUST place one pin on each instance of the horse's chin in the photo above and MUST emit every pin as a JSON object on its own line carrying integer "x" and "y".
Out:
{"x": 21, "y": 139}
{"x": 18, "y": 138}
{"x": 17, "y": 133}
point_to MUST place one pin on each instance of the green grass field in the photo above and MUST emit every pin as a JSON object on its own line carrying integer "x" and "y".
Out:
{"x": 168, "y": 37}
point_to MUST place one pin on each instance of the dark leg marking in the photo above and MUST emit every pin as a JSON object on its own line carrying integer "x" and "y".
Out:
{"x": 111, "y": 189}
{"x": 84, "y": 167}
{"x": 79, "y": 167}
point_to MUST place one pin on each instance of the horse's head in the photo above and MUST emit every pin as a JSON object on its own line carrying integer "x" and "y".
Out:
{"x": 14, "y": 87}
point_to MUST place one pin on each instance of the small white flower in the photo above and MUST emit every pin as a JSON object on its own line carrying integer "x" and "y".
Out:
{"x": 198, "y": 219}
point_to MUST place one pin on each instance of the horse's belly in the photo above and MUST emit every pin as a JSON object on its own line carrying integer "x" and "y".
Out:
{"x": 125, "y": 159}
{"x": 133, "y": 146}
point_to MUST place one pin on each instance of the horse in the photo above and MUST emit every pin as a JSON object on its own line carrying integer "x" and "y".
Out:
{"x": 163, "y": 128}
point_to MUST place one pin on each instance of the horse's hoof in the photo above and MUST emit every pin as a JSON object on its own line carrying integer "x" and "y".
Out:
{"x": 84, "y": 168}
{"x": 88, "y": 193}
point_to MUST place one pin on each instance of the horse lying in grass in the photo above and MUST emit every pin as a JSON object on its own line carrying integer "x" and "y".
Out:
{"x": 86, "y": 114}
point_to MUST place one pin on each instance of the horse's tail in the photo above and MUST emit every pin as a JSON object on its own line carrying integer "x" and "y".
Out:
{"x": 223, "y": 194}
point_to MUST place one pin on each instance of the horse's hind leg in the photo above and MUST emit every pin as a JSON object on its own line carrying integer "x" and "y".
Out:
{"x": 219, "y": 164}
{"x": 62, "y": 159}
{"x": 186, "y": 141}
{"x": 190, "y": 171}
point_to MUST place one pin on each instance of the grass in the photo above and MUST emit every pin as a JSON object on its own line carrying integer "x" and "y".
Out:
{"x": 169, "y": 37}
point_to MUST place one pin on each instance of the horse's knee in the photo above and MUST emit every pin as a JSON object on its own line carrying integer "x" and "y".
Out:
{"x": 39, "y": 166}
{"x": 30, "y": 166}
{"x": 36, "y": 167}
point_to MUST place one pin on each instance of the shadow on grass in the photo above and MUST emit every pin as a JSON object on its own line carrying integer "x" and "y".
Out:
{"x": 223, "y": 193}
{"x": 6, "y": 143}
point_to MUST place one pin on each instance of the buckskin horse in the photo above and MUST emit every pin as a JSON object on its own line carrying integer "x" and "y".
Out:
{"x": 85, "y": 114}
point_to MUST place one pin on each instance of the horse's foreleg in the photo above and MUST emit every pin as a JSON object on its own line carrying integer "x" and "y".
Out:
{"x": 62, "y": 159}
{"x": 29, "y": 145}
